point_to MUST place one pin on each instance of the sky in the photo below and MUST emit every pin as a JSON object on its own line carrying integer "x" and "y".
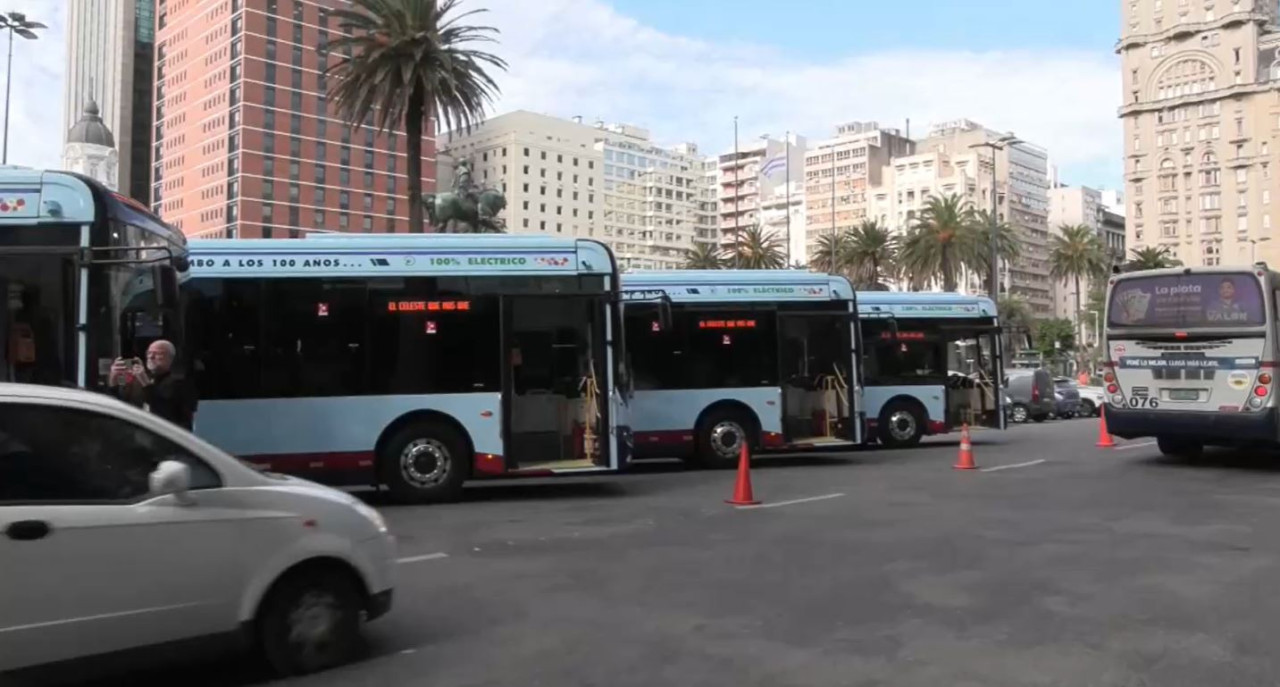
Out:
{"x": 683, "y": 69}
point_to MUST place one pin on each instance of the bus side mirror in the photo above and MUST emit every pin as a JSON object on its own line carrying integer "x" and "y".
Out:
{"x": 164, "y": 278}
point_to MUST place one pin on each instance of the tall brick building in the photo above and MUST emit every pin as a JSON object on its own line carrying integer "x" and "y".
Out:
{"x": 246, "y": 144}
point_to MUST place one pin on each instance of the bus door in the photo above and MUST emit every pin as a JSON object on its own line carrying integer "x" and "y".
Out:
{"x": 975, "y": 393}
{"x": 820, "y": 380}
{"x": 556, "y": 383}
{"x": 38, "y": 315}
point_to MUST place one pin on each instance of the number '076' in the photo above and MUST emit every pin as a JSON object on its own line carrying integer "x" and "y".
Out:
{"x": 1143, "y": 402}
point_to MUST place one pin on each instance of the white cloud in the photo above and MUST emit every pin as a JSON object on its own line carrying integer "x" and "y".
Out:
{"x": 581, "y": 57}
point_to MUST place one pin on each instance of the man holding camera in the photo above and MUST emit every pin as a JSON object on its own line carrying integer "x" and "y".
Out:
{"x": 161, "y": 391}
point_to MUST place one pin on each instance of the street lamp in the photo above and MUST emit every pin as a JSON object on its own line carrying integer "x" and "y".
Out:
{"x": 1253, "y": 248}
{"x": 15, "y": 22}
{"x": 998, "y": 144}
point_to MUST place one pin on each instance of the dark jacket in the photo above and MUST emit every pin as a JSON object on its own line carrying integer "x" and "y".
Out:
{"x": 173, "y": 398}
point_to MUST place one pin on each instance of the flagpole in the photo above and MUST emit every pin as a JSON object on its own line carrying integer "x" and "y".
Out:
{"x": 788, "y": 192}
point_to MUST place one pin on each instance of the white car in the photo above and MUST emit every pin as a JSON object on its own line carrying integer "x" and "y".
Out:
{"x": 119, "y": 530}
{"x": 1091, "y": 400}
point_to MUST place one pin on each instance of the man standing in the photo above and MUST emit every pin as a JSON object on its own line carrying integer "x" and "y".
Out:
{"x": 165, "y": 393}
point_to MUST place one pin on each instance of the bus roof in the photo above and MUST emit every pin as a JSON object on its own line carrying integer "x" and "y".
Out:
{"x": 1259, "y": 269}
{"x": 49, "y": 196}
{"x": 734, "y": 285}
{"x": 400, "y": 255}
{"x": 925, "y": 304}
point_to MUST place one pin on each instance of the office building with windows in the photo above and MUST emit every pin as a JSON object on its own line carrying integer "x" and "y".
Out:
{"x": 246, "y": 142}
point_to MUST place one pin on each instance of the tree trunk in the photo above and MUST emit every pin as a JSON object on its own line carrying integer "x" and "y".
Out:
{"x": 413, "y": 118}
{"x": 948, "y": 276}
{"x": 1079, "y": 324}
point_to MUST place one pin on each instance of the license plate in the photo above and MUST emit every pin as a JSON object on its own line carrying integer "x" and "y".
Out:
{"x": 1184, "y": 395}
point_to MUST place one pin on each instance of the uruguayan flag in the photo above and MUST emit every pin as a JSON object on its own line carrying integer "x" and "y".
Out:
{"x": 772, "y": 166}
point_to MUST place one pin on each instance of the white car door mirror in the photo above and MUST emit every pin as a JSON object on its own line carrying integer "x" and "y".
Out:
{"x": 171, "y": 477}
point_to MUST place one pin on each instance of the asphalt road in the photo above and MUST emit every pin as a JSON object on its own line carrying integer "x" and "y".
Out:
{"x": 1090, "y": 568}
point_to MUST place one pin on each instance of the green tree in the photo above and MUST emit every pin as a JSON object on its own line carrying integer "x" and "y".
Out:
{"x": 1075, "y": 253}
{"x": 1054, "y": 331}
{"x": 1150, "y": 258}
{"x": 1016, "y": 320}
{"x": 936, "y": 244}
{"x": 704, "y": 256}
{"x": 870, "y": 252}
{"x": 409, "y": 63}
{"x": 978, "y": 252}
{"x": 756, "y": 249}
{"x": 831, "y": 254}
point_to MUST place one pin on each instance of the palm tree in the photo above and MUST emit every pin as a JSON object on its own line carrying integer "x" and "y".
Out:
{"x": 1015, "y": 317}
{"x": 936, "y": 243}
{"x": 978, "y": 253}
{"x": 758, "y": 250}
{"x": 831, "y": 255}
{"x": 870, "y": 249}
{"x": 410, "y": 63}
{"x": 704, "y": 256}
{"x": 1151, "y": 258}
{"x": 1077, "y": 252}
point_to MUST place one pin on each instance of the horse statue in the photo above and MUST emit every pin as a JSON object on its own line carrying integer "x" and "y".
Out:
{"x": 467, "y": 209}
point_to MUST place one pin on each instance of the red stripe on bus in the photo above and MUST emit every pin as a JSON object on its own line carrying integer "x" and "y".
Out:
{"x": 671, "y": 437}
{"x": 299, "y": 462}
{"x": 490, "y": 464}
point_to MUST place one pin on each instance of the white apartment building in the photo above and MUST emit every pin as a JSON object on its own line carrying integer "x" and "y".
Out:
{"x": 707, "y": 225}
{"x": 910, "y": 181}
{"x": 751, "y": 175}
{"x": 1081, "y": 205}
{"x": 608, "y": 182}
{"x": 1022, "y": 169}
{"x": 782, "y": 214}
{"x": 838, "y": 172}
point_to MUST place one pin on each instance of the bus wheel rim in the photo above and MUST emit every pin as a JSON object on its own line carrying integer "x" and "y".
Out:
{"x": 902, "y": 425}
{"x": 726, "y": 439}
{"x": 424, "y": 462}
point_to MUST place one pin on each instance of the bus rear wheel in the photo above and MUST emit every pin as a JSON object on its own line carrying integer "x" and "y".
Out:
{"x": 425, "y": 462}
{"x": 1179, "y": 448}
{"x": 721, "y": 436}
{"x": 901, "y": 425}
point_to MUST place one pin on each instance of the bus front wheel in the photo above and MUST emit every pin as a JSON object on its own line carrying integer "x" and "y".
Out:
{"x": 425, "y": 462}
{"x": 721, "y": 435}
{"x": 901, "y": 424}
{"x": 1179, "y": 448}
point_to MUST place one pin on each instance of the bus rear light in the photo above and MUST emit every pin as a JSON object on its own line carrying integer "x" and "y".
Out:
{"x": 1259, "y": 391}
{"x": 1264, "y": 378}
{"x": 1254, "y": 403}
{"x": 1112, "y": 389}
{"x": 1179, "y": 335}
{"x": 1109, "y": 377}
{"x": 1117, "y": 400}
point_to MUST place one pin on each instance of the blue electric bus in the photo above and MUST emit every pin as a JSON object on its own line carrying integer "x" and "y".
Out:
{"x": 723, "y": 358}
{"x": 414, "y": 362}
{"x": 86, "y": 275}
{"x": 932, "y": 362}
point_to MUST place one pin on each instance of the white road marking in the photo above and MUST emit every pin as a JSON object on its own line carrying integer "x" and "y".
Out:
{"x": 1129, "y": 446}
{"x": 424, "y": 557}
{"x": 791, "y": 502}
{"x": 1015, "y": 465}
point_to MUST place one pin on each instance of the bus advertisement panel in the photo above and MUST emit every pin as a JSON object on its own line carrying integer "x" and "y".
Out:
{"x": 933, "y": 362}
{"x": 1191, "y": 357}
{"x": 724, "y": 359}
{"x": 414, "y": 362}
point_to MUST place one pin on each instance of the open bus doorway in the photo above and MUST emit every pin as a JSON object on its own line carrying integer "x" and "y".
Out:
{"x": 817, "y": 402}
{"x": 558, "y": 383}
{"x": 37, "y": 316}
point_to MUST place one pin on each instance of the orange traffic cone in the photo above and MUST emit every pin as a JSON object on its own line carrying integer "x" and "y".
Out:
{"x": 742, "y": 495}
{"x": 1104, "y": 437}
{"x": 965, "y": 461}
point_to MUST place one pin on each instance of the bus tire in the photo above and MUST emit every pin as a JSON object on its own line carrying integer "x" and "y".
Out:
{"x": 901, "y": 424}
{"x": 720, "y": 437}
{"x": 1179, "y": 448}
{"x": 425, "y": 462}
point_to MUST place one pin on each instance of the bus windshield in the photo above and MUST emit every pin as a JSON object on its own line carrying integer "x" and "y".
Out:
{"x": 1188, "y": 301}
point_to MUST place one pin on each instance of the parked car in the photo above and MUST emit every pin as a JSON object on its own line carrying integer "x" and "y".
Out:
{"x": 1031, "y": 395}
{"x": 123, "y": 531}
{"x": 1066, "y": 398}
{"x": 1091, "y": 400}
